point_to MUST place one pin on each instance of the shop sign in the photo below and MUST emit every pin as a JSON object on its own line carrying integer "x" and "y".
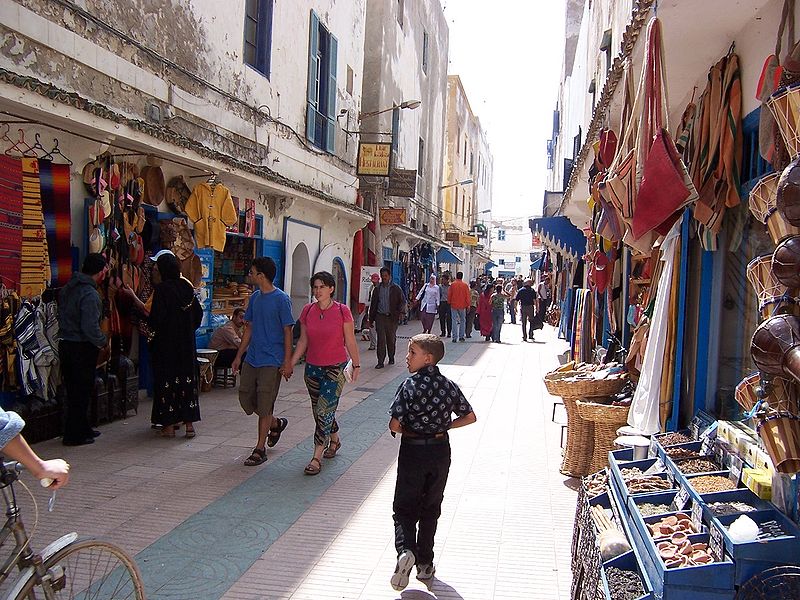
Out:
{"x": 468, "y": 240}
{"x": 402, "y": 183}
{"x": 374, "y": 159}
{"x": 393, "y": 216}
{"x": 366, "y": 283}
{"x": 452, "y": 236}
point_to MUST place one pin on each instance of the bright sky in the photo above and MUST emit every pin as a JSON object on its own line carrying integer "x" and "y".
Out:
{"x": 508, "y": 54}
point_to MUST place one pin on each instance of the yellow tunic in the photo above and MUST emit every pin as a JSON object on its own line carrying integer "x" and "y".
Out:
{"x": 211, "y": 211}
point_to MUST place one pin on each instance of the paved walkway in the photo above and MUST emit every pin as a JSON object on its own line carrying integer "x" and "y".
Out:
{"x": 203, "y": 526}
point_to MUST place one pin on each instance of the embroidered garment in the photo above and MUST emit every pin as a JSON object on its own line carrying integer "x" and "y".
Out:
{"x": 34, "y": 326}
{"x": 35, "y": 262}
{"x": 425, "y": 401}
{"x": 211, "y": 210}
{"x": 54, "y": 181}
{"x": 10, "y": 219}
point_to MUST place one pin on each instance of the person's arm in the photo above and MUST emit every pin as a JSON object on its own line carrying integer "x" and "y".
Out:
{"x": 395, "y": 426}
{"x": 237, "y": 362}
{"x": 55, "y": 469}
{"x": 288, "y": 338}
{"x": 91, "y": 308}
{"x": 463, "y": 420}
{"x": 352, "y": 348}
{"x": 302, "y": 346}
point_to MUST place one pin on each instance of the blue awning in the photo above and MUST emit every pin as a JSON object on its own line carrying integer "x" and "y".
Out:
{"x": 560, "y": 234}
{"x": 490, "y": 265}
{"x": 445, "y": 255}
{"x": 537, "y": 264}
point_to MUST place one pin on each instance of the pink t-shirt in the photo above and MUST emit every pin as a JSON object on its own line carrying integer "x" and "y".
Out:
{"x": 325, "y": 331}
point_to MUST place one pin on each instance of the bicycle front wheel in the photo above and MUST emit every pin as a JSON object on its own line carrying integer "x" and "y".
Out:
{"x": 88, "y": 569}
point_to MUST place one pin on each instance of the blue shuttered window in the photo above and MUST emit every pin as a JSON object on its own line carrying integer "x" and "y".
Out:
{"x": 321, "y": 105}
{"x": 258, "y": 34}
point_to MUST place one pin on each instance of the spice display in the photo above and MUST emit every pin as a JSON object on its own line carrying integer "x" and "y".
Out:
{"x": 678, "y": 551}
{"x": 671, "y": 439}
{"x": 677, "y": 523}
{"x": 639, "y": 483}
{"x": 697, "y": 465}
{"x": 624, "y": 585}
{"x": 770, "y": 529}
{"x": 676, "y": 453}
{"x": 650, "y": 510}
{"x": 721, "y": 509}
{"x": 706, "y": 484}
{"x": 596, "y": 483}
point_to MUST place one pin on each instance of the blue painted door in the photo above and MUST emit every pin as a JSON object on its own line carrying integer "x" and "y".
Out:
{"x": 273, "y": 249}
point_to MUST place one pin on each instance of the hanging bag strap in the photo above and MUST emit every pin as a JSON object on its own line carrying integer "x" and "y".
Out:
{"x": 788, "y": 10}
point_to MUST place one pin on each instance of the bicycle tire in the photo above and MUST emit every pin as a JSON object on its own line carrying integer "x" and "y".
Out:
{"x": 89, "y": 569}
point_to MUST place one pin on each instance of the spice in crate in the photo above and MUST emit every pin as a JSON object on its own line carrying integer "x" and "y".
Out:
{"x": 624, "y": 585}
{"x": 705, "y": 484}
{"x": 650, "y": 510}
{"x": 677, "y": 523}
{"x": 673, "y": 438}
{"x": 697, "y": 465}
{"x": 596, "y": 483}
{"x": 639, "y": 483}
{"x": 678, "y": 453}
{"x": 721, "y": 509}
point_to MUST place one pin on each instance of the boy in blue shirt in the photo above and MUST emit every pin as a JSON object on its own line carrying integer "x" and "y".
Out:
{"x": 421, "y": 413}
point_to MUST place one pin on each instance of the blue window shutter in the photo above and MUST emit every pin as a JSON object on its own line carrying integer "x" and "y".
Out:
{"x": 264, "y": 34}
{"x": 313, "y": 59}
{"x": 330, "y": 137}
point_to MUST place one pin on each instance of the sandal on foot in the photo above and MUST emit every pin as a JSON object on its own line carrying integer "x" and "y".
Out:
{"x": 190, "y": 432}
{"x": 332, "y": 449}
{"x": 257, "y": 457}
{"x": 168, "y": 431}
{"x": 313, "y": 467}
{"x": 275, "y": 434}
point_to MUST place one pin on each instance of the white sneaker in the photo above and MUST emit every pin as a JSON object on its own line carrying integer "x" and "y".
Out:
{"x": 405, "y": 562}
{"x": 425, "y": 572}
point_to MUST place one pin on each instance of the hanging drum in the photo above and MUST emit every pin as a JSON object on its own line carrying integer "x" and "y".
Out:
{"x": 776, "y": 346}
{"x": 788, "y": 194}
{"x": 786, "y": 262}
{"x": 785, "y": 107}
{"x": 773, "y": 296}
{"x": 763, "y": 197}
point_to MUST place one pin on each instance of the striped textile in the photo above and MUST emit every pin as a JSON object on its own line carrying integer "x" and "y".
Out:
{"x": 54, "y": 181}
{"x": 35, "y": 270}
{"x": 10, "y": 220}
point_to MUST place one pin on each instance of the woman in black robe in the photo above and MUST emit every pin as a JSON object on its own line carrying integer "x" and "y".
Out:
{"x": 174, "y": 316}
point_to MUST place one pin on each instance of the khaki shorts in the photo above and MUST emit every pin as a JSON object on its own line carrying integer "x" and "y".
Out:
{"x": 258, "y": 388}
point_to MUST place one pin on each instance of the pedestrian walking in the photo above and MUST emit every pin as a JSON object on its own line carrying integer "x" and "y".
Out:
{"x": 459, "y": 305}
{"x": 485, "y": 312}
{"x": 174, "y": 316}
{"x": 327, "y": 337}
{"x": 385, "y": 311}
{"x": 428, "y": 299}
{"x": 511, "y": 289}
{"x": 526, "y": 297}
{"x": 474, "y": 296}
{"x": 543, "y": 290}
{"x": 373, "y": 334}
{"x": 422, "y": 414}
{"x": 79, "y": 314}
{"x": 445, "y": 316}
{"x": 267, "y": 342}
{"x": 498, "y": 301}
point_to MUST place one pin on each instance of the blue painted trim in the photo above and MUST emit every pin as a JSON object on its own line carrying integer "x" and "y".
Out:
{"x": 674, "y": 420}
{"x": 626, "y": 295}
{"x": 704, "y": 319}
{"x": 338, "y": 259}
{"x": 717, "y": 288}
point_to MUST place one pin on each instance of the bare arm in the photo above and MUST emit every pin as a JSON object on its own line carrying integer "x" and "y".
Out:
{"x": 466, "y": 419}
{"x": 56, "y": 469}
{"x": 288, "y": 366}
{"x": 302, "y": 346}
{"x": 352, "y": 347}
{"x": 237, "y": 362}
{"x": 395, "y": 426}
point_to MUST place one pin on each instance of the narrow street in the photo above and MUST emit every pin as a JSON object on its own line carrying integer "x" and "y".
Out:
{"x": 203, "y": 526}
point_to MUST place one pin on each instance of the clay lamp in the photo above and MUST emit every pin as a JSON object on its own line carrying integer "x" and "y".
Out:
{"x": 786, "y": 262}
{"x": 776, "y": 346}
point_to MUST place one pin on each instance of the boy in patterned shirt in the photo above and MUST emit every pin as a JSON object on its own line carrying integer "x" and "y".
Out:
{"x": 421, "y": 413}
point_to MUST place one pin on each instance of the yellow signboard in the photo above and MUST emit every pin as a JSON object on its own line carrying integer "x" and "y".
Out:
{"x": 393, "y": 216}
{"x": 374, "y": 159}
{"x": 468, "y": 240}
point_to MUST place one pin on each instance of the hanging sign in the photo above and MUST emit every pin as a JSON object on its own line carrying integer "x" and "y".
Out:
{"x": 468, "y": 240}
{"x": 402, "y": 183}
{"x": 374, "y": 159}
{"x": 393, "y": 216}
{"x": 452, "y": 236}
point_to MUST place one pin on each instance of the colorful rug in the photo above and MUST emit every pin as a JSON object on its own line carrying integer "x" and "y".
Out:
{"x": 10, "y": 220}
{"x": 35, "y": 270}
{"x": 54, "y": 181}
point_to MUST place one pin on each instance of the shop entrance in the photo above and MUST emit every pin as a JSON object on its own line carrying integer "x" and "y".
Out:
{"x": 301, "y": 273}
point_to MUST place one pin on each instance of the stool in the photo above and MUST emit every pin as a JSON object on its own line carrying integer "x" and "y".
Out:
{"x": 224, "y": 376}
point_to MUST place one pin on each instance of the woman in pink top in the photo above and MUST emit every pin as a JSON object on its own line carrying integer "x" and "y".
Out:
{"x": 327, "y": 337}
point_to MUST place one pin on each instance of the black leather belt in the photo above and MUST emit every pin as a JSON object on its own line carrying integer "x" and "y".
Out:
{"x": 439, "y": 438}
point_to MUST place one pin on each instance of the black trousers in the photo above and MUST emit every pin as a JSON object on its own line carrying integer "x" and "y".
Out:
{"x": 386, "y": 328}
{"x": 470, "y": 319}
{"x": 78, "y": 365}
{"x": 421, "y": 478}
{"x": 445, "y": 318}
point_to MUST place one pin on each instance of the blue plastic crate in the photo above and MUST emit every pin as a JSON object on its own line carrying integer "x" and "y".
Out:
{"x": 742, "y": 494}
{"x": 627, "y": 562}
{"x": 615, "y": 476}
{"x": 661, "y": 498}
{"x": 752, "y": 558}
{"x": 623, "y": 455}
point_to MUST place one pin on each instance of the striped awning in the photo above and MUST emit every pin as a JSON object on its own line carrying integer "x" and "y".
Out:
{"x": 560, "y": 234}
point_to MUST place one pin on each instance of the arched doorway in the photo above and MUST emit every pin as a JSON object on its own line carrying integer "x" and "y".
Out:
{"x": 338, "y": 272}
{"x": 301, "y": 273}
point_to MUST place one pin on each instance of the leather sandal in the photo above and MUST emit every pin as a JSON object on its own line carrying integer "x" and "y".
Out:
{"x": 257, "y": 457}
{"x": 275, "y": 434}
{"x": 313, "y": 467}
{"x": 332, "y": 449}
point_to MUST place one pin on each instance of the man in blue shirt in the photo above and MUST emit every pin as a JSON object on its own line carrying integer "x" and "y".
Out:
{"x": 267, "y": 340}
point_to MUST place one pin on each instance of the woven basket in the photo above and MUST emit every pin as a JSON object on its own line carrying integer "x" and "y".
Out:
{"x": 580, "y": 442}
{"x": 606, "y": 419}
{"x": 561, "y": 384}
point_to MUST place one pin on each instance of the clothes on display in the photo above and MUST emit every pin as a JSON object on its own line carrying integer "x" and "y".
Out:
{"x": 210, "y": 207}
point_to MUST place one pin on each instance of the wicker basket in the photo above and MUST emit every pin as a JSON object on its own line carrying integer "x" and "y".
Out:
{"x": 562, "y": 384}
{"x": 580, "y": 442}
{"x": 606, "y": 419}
